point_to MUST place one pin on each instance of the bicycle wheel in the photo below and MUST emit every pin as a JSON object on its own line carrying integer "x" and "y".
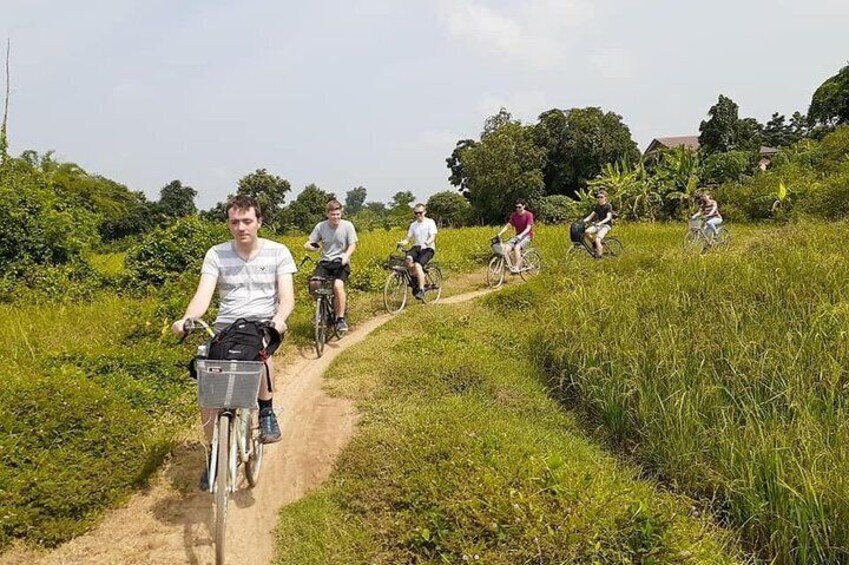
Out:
{"x": 433, "y": 284}
{"x": 531, "y": 264}
{"x": 612, "y": 246}
{"x": 222, "y": 486}
{"x": 694, "y": 242}
{"x": 320, "y": 323}
{"x": 395, "y": 293}
{"x": 253, "y": 463}
{"x": 495, "y": 271}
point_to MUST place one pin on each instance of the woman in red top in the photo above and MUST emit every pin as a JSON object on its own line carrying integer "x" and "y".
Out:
{"x": 522, "y": 221}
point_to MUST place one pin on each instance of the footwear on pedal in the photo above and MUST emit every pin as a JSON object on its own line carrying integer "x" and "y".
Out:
{"x": 269, "y": 430}
{"x": 341, "y": 326}
{"x": 419, "y": 294}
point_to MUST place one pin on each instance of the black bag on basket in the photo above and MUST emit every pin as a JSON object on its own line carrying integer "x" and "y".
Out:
{"x": 244, "y": 340}
{"x": 576, "y": 231}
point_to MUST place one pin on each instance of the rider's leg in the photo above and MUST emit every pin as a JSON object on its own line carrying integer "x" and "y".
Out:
{"x": 340, "y": 299}
{"x": 419, "y": 274}
{"x": 590, "y": 239}
{"x": 712, "y": 226}
{"x": 411, "y": 268}
{"x": 517, "y": 256}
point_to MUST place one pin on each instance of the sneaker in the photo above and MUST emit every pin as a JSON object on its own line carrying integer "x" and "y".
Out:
{"x": 419, "y": 294}
{"x": 269, "y": 431}
{"x": 341, "y": 326}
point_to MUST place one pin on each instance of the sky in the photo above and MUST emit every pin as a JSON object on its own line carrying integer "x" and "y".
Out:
{"x": 376, "y": 93}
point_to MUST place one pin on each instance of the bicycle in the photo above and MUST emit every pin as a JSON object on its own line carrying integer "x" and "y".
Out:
{"x": 531, "y": 264}
{"x": 697, "y": 238}
{"x": 232, "y": 388}
{"x": 399, "y": 281}
{"x": 324, "y": 319}
{"x": 610, "y": 246}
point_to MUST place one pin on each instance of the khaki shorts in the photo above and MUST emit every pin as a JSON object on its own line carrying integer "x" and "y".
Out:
{"x": 598, "y": 231}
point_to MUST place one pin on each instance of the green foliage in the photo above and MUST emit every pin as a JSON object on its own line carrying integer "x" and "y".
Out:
{"x": 556, "y": 209}
{"x": 84, "y": 420}
{"x": 355, "y": 199}
{"x": 464, "y": 458}
{"x": 37, "y": 227}
{"x": 166, "y": 253}
{"x": 176, "y": 201}
{"x": 778, "y": 133}
{"x": 724, "y": 374}
{"x": 269, "y": 191}
{"x": 731, "y": 166}
{"x": 449, "y": 209}
{"x": 308, "y": 209}
{"x": 724, "y": 131}
{"x": 504, "y": 166}
{"x": 830, "y": 103}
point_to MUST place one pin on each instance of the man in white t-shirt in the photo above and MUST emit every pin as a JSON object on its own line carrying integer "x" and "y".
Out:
{"x": 422, "y": 234}
{"x": 337, "y": 240}
{"x": 253, "y": 277}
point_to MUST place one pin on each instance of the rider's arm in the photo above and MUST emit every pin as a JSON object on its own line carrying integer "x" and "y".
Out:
{"x": 313, "y": 239}
{"x": 346, "y": 256}
{"x": 285, "y": 301}
{"x": 311, "y": 246}
{"x": 431, "y": 237}
{"x": 590, "y": 217}
{"x": 712, "y": 211}
{"x": 504, "y": 229}
{"x": 199, "y": 303}
{"x": 607, "y": 218}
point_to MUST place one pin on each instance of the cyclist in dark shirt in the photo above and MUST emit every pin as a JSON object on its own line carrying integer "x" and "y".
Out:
{"x": 602, "y": 221}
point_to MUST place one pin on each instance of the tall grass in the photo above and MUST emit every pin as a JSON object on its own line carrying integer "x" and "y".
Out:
{"x": 727, "y": 374}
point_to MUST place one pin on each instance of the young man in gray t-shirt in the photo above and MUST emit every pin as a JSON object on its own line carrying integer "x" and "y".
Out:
{"x": 337, "y": 240}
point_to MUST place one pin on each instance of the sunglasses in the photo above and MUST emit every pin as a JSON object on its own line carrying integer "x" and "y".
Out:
{"x": 419, "y": 213}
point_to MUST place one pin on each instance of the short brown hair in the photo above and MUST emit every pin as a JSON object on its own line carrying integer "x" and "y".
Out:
{"x": 333, "y": 205}
{"x": 601, "y": 193}
{"x": 244, "y": 202}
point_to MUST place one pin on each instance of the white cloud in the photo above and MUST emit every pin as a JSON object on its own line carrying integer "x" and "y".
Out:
{"x": 614, "y": 64}
{"x": 536, "y": 34}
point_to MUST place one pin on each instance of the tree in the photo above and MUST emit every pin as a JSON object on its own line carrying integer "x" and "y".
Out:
{"x": 830, "y": 102}
{"x": 578, "y": 143}
{"x": 449, "y": 208}
{"x": 176, "y": 201}
{"x": 402, "y": 199}
{"x": 309, "y": 208}
{"x": 268, "y": 190}
{"x": 495, "y": 122}
{"x": 503, "y": 167}
{"x": 354, "y": 200}
{"x": 455, "y": 163}
{"x": 718, "y": 133}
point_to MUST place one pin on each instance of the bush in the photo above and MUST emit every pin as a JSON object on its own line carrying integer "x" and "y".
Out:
{"x": 555, "y": 209}
{"x": 168, "y": 252}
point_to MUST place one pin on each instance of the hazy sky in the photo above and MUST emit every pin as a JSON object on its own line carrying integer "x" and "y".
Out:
{"x": 376, "y": 92}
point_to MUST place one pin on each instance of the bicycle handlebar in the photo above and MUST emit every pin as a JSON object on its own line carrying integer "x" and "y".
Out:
{"x": 190, "y": 325}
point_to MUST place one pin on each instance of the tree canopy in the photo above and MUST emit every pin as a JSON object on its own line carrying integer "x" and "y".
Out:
{"x": 830, "y": 102}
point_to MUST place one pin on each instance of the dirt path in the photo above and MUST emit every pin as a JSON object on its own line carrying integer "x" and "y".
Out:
{"x": 172, "y": 522}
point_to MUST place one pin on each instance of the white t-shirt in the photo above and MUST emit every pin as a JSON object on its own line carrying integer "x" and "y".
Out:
{"x": 420, "y": 232}
{"x": 247, "y": 289}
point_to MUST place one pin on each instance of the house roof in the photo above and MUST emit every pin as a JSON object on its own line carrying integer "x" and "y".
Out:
{"x": 767, "y": 151}
{"x": 688, "y": 141}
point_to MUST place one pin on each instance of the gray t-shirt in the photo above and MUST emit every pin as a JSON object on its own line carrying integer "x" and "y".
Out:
{"x": 334, "y": 241}
{"x": 247, "y": 289}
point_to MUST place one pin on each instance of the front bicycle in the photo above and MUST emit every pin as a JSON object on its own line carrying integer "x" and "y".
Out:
{"x": 498, "y": 264}
{"x": 397, "y": 284}
{"x": 230, "y": 388}
{"x": 324, "y": 318}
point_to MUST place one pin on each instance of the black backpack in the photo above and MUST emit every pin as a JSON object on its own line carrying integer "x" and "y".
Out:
{"x": 244, "y": 340}
{"x": 576, "y": 231}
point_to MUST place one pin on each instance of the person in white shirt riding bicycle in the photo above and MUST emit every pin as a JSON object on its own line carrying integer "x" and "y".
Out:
{"x": 709, "y": 210}
{"x": 422, "y": 234}
{"x": 337, "y": 239}
{"x": 602, "y": 222}
{"x": 522, "y": 221}
{"x": 253, "y": 277}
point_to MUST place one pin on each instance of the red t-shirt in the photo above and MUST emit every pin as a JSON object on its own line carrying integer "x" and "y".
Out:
{"x": 522, "y": 221}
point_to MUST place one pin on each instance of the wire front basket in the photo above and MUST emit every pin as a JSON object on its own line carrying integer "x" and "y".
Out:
{"x": 695, "y": 224}
{"x": 497, "y": 248}
{"x": 228, "y": 384}
{"x": 395, "y": 261}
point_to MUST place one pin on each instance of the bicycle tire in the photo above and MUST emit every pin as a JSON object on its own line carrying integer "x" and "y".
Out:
{"x": 222, "y": 486}
{"x": 495, "y": 272}
{"x": 694, "y": 242}
{"x": 531, "y": 264}
{"x": 253, "y": 463}
{"x": 395, "y": 293}
{"x": 433, "y": 284}
{"x": 612, "y": 246}
{"x": 319, "y": 321}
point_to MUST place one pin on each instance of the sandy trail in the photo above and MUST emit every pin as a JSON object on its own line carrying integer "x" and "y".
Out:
{"x": 172, "y": 522}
